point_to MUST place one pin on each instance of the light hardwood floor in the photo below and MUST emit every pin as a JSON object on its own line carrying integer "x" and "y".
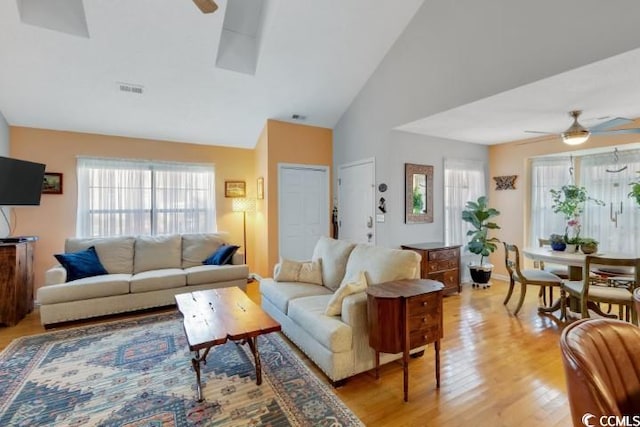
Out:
{"x": 497, "y": 369}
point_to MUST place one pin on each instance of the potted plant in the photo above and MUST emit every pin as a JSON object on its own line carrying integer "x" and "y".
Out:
{"x": 478, "y": 215}
{"x": 569, "y": 200}
{"x": 588, "y": 245}
{"x": 635, "y": 190}
{"x": 557, "y": 242}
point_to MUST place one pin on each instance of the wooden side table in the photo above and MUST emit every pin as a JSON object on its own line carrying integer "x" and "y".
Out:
{"x": 439, "y": 262}
{"x": 403, "y": 315}
{"x": 16, "y": 280}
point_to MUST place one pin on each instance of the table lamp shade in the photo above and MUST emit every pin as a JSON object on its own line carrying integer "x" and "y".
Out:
{"x": 241, "y": 204}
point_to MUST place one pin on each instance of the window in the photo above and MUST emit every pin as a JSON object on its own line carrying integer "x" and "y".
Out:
{"x": 612, "y": 188}
{"x": 128, "y": 197}
{"x": 546, "y": 174}
{"x": 464, "y": 180}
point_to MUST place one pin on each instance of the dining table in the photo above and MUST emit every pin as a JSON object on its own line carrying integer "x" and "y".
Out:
{"x": 575, "y": 263}
{"x": 573, "y": 260}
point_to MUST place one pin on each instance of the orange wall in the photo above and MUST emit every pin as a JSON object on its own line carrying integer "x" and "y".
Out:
{"x": 512, "y": 159}
{"x": 298, "y": 144}
{"x": 262, "y": 217}
{"x": 55, "y": 218}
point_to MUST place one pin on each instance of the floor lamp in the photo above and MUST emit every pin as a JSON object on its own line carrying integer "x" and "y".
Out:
{"x": 244, "y": 205}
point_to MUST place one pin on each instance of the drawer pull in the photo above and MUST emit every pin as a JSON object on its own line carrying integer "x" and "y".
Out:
{"x": 424, "y": 303}
{"x": 424, "y": 320}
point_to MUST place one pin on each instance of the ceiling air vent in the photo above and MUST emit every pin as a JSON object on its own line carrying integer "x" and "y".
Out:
{"x": 131, "y": 88}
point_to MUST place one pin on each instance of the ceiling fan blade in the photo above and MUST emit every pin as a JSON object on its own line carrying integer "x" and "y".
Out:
{"x": 542, "y": 138}
{"x": 537, "y": 131}
{"x": 206, "y": 6}
{"x": 618, "y": 121}
{"x": 616, "y": 132}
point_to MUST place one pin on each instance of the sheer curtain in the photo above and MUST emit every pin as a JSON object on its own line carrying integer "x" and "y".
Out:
{"x": 464, "y": 180}
{"x": 125, "y": 197}
{"x": 612, "y": 188}
{"x": 546, "y": 174}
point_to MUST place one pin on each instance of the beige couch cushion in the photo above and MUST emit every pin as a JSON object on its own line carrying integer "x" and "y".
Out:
{"x": 203, "y": 274}
{"x": 85, "y": 289}
{"x": 153, "y": 280}
{"x": 334, "y": 255}
{"x": 115, "y": 253}
{"x": 280, "y": 293}
{"x": 331, "y": 332}
{"x": 334, "y": 306}
{"x": 157, "y": 252}
{"x": 297, "y": 271}
{"x": 198, "y": 247}
{"x": 382, "y": 264}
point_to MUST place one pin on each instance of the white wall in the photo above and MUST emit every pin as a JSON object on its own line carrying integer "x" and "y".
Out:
{"x": 4, "y": 151}
{"x": 456, "y": 52}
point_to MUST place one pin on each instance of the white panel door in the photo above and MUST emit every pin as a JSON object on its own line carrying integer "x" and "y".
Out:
{"x": 356, "y": 210}
{"x": 303, "y": 194}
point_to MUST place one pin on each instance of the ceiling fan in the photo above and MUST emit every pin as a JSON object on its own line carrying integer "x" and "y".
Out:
{"x": 206, "y": 6}
{"x": 577, "y": 134}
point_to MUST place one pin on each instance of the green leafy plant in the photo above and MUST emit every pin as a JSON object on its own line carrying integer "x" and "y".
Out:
{"x": 417, "y": 201}
{"x": 478, "y": 215}
{"x": 635, "y": 190}
{"x": 588, "y": 241}
{"x": 570, "y": 199}
{"x": 556, "y": 238}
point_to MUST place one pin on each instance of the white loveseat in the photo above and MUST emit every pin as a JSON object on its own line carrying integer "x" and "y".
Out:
{"x": 339, "y": 345}
{"x": 144, "y": 272}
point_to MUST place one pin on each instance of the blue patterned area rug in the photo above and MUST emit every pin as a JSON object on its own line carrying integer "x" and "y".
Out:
{"x": 138, "y": 373}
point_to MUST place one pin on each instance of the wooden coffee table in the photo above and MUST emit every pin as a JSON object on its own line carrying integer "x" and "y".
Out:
{"x": 212, "y": 317}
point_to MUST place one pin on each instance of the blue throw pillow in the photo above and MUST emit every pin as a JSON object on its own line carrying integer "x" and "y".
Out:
{"x": 81, "y": 264}
{"x": 223, "y": 255}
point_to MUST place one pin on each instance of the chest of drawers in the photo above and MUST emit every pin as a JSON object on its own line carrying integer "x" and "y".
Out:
{"x": 439, "y": 262}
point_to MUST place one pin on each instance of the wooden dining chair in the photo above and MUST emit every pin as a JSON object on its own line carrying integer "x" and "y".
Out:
{"x": 590, "y": 294}
{"x": 559, "y": 270}
{"x": 525, "y": 277}
{"x": 562, "y": 271}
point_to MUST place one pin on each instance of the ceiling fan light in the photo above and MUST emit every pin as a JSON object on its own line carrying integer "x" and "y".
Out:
{"x": 575, "y": 137}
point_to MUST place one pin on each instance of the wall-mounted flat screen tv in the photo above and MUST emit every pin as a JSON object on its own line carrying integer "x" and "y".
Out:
{"x": 20, "y": 182}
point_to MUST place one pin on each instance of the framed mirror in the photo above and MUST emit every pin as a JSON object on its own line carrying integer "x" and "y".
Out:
{"x": 418, "y": 199}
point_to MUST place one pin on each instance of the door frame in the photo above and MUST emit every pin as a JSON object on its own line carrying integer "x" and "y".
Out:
{"x": 372, "y": 161}
{"x": 327, "y": 171}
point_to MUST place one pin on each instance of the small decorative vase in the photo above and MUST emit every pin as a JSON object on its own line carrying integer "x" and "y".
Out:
{"x": 589, "y": 248}
{"x": 558, "y": 246}
{"x": 571, "y": 248}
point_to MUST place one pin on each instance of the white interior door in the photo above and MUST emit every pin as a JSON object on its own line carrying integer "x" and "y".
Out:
{"x": 303, "y": 209}
{"x": 356, "y": 207}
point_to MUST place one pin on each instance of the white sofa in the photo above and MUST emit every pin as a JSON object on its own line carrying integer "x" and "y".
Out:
{"x": 144, "y": 272}
{"x": 339, "y": 345}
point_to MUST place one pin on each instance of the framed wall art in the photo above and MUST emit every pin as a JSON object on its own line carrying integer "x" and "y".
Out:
{"x": 52, "y": 183}
{"x": 235, "y": 189}
{"x": 260, "y": 189}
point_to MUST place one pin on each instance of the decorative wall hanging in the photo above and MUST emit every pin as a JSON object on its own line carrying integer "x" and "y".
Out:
{"x": 507, "y": 182}
{"x": 418, "y": 193}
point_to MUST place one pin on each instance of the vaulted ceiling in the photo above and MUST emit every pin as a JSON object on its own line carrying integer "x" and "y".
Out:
{"x": 161, "y": 69}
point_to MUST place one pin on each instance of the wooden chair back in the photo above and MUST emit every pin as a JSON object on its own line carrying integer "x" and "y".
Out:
{"x": 512, "y": 260}
{"x": 593, "y": 262}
